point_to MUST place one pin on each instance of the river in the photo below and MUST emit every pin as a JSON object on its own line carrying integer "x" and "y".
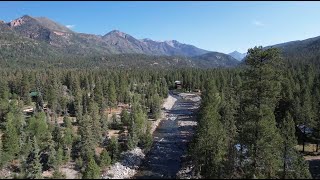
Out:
{"x": 170, "y": 143}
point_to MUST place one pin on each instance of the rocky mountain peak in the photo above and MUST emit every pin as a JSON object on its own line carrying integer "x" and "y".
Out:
{"x": 237, "y": 55}
{"x": 150, "y": 40}
{"x": 20, "y": 21}
{"x": 146, "y": 39}
{"x": 45, "y": 22}
{"x": 171, "y": 43}
{"x": 117, "y": 33}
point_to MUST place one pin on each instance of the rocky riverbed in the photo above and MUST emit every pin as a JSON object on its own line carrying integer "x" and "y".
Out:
{"x": 171, "y": 132}
{"x": 126, "y": 168}
{"x": 167, "y": 155}
{"x": 131, "y": 160}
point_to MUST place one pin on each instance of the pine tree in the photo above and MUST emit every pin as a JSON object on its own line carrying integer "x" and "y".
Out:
{"x": 78, "y": 109}
{"x": 147, "y": 141}
{"x": 38, "y": 127}
{"x": 86, "y": 138}
{"x": 68, "y": 133}
{"x": 155, "y": 106}
{"x": 96, "y": 125}
{"x": 4, "y": 104}
{"x": 24, "y": 90}
{"x": 139, "y": 118}
{"x": 115, "y": 124}
{"x": 105, "y": 159}
{"x": 11, "y": 139}
{"x": 306, "y": 114}
{"x": 228, "y": 113}
{"x": 98, "y": 93}
{"x": 112, "y": 96}
{"x": 34, "y": 168}
{"x": 1, "y": 153}
{"x": 122, "y": 88}
{"x": 300, "y": 168}
{"x": 261, "y": 88}
{"x": 132, "y": 135}
{"x": 113, "y": 148}
{"x": 4, "y": 89}
{"x": 104, "y": 123}
{"x": 125, "y": 118}
{"x": 52, "y": 154}
{"x": 92, "y": 171}
{"x": 164, "y": 88}
{"x": 209, "y": 147}
{"x": 130, "y": 144}
{"x": 57, "y": 134}
{"x": 59, "y": 157}
{"x": 289, "y": 141}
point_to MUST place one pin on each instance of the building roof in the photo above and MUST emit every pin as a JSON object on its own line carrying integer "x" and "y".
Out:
{"x": 308, "y": 130}
{"x": 34, "y": 93}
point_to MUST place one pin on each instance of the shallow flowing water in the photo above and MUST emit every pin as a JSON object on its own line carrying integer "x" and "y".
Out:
{"x": 170, "y": 144}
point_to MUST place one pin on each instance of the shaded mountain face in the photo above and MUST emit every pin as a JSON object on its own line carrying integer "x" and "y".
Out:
{"x": 300, "y": 50}
{"x": 237, "y": 55}
{"x": 173, "y": 47}
{"x": 215, "y": 59}
{"x": 4, "y": 27}
{"x": 124, "y": 43}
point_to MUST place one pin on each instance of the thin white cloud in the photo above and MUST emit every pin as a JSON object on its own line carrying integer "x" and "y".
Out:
{"x": 258, "y": 23}
{"x": 70, "y": 26}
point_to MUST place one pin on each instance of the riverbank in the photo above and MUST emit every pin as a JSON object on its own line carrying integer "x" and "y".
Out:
{"x": 187, "y": 167}
{"x": 166, "y": 157}
{"x": 131, "y": 160}
{"x": 167, "y": 105}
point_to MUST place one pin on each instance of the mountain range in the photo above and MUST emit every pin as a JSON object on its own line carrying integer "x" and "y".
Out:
{"x": 38, "y": 40}
{"x": 44, "y": 37}
{"x": 114, "y": 42}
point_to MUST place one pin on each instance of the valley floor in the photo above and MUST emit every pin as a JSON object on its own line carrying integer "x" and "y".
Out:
{"x": 171, "y": 138}
{"x": 131, "y": 160}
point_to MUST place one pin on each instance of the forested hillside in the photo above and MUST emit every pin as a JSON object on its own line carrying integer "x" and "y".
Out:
{"x": 301, "y": 51}
{"x": 53, "y": 118}
{"x": 60, "y": 106}
{"x": 161, "y": 90}
{"x": 250, "y": 119}
{"x": 247, "y": 121}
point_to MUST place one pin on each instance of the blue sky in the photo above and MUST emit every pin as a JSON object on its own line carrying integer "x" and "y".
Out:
{"x": 215, "y": 26}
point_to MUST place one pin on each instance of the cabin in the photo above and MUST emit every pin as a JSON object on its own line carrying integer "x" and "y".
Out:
{"x": 306, "y": 129}
{"x": 34, "y": 95}
{"x": 178, "y": 84}
{"x": 305, "y": 132}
